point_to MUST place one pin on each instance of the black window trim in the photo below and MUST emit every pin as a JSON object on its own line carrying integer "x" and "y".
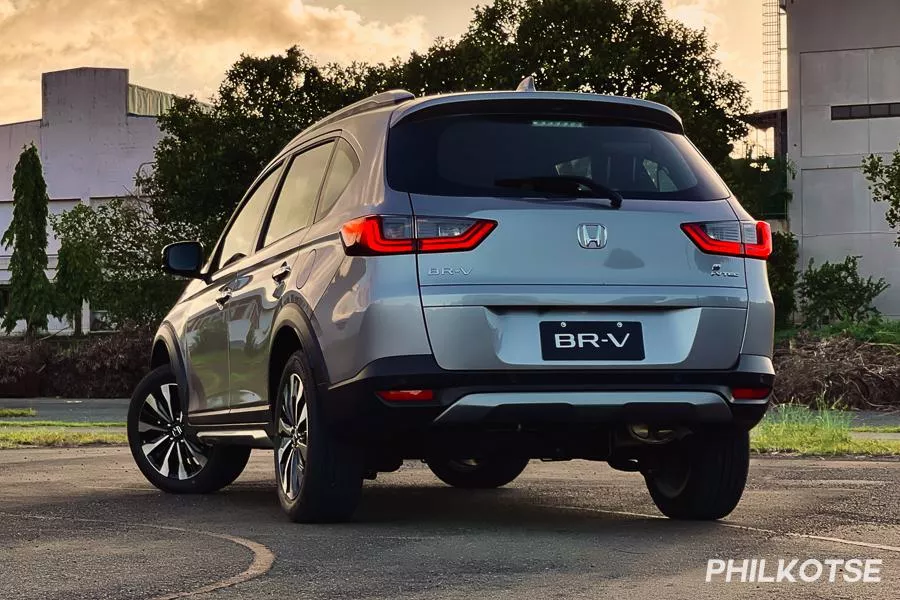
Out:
{"x": 273, "y": 200}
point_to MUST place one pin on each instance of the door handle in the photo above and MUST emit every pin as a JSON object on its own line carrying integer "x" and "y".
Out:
{"x": 223, "y": 297}
{"x": 281, "y": 273}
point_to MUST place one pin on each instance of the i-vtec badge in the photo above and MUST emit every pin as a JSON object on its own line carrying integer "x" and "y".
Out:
{"x": 435, "y": 271}
{"x": 583, "y": 340}
{"x": 718, "y": 272}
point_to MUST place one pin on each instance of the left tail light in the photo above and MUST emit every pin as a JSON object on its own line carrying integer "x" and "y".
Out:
{"x": 732, "y": 238}
{"x": 377, "y": 235}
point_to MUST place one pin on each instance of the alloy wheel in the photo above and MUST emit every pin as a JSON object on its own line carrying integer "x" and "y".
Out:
{"x": 164, "y": 440}
{"x": 293, "y": 437}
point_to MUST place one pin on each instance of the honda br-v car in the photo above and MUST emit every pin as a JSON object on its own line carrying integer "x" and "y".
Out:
{"x": 473, "y": 280}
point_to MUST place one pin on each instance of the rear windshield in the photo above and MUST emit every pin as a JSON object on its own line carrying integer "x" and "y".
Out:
{"x": 467, "y": 155}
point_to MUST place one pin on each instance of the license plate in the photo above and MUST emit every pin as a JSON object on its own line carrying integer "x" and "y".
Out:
{"x": 592, "y": 340}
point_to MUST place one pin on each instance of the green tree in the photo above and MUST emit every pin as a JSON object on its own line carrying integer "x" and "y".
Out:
{"x": 210, "y": 153}
{"x": 761, "y": 184}
{"x": 112, "y": 260}
{"x": 29, "y": 287}
{"x": 78, "y": 270}
{"x": 884, "y": 182}
{"x": 621, "y": 47}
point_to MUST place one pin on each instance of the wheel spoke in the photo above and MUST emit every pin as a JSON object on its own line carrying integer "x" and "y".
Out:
{"x": 166, "y": 391}
{"x": 197, "y": 453}
{"x": 301, "y": 450}
{"x": 155, "y": 407}
{"x": 144, "y": 427}
{"x": 182, "y": 474}
{"x": 151, "y": 446}
{"x": 164, "y": 467}
{"x": 287, "y": 477}
{"x": 296, "y": 472}
{"x": 284, "y": 428}
{"x": 301, "y": 421}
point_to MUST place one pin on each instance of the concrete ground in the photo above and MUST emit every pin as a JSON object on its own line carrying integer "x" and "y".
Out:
{"x": 85, "y": 524}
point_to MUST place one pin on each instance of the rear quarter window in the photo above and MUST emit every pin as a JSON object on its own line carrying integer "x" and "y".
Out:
{"x": 466, "y": 155}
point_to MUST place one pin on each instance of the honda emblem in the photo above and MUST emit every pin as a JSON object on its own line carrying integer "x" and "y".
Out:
{"x": 592, "y": 236}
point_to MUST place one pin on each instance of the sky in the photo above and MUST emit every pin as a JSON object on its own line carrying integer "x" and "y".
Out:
{"x": 185, "y": 46}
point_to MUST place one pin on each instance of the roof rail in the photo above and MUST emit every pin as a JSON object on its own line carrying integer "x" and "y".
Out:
{"x": 389, "y": 98}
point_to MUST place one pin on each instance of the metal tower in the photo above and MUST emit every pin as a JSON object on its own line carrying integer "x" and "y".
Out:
{"x": 772, "y": 57}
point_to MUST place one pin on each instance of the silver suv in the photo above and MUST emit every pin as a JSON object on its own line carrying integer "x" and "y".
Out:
{"x": 474, "y": 280}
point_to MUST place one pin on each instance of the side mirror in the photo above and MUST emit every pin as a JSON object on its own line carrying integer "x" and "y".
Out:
{"x": 184, "y": 259}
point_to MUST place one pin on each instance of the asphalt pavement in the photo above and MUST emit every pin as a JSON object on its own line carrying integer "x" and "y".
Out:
{"x": 116, "y": 409}
{"x": 85, "y": 524}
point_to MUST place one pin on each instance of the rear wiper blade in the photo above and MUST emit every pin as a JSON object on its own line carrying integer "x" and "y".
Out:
{"x": 563, "y": 184}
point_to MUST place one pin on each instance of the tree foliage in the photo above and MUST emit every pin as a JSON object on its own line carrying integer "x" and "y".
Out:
{"x": 761, "y": 184}
{"x": 29, "y": 297}
{"x": 112, "y": 255}
{"x": 837, "y": 293}
{"x": 884, "y": 182}
{"x": 78, "y": 265}
{"x": 210, "y": 154}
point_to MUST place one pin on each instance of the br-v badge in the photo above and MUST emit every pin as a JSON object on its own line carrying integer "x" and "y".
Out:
{"x": 592, "y": 236}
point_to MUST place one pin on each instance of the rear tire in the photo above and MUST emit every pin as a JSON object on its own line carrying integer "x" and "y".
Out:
{"x": 703, "y": 478}
{"x": 319, "y": 477}
{"x": 165, "y": 449}
{"x": 477, "y": 474}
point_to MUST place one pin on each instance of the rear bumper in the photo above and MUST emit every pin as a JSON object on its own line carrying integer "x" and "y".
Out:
{"x": 532, "y": 399}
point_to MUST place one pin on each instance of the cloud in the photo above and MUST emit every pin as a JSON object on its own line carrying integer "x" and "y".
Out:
{"x": 182, "y": 46}
{"x": 696, "y": 13}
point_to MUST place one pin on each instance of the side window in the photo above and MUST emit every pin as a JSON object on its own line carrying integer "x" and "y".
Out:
{"x": 240, "y": 241}
{"x": 296, "y": 203}
{"x": 343, "y": 168}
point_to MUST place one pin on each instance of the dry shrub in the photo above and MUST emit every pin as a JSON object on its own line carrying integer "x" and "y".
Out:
{"x": 838, "y": 370}
{"x": 100, "y": 366}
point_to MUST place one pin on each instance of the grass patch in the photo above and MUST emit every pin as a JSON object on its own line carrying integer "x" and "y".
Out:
{"x": 7, "y": 413}
{"x": 797, "y": 429}
{"x": 67, "y": 424}
{"x": 58, "y": 438}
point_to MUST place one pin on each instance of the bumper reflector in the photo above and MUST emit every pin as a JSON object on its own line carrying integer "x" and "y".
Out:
{"x": 407, "y": 395}
{"x": 755, "y": 393}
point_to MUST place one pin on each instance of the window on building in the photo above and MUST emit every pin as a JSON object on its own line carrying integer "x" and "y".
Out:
{"x": 882, "y": 110}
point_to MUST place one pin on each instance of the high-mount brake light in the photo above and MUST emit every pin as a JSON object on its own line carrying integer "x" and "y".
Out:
{"x": 378, "y": 235}
{"x": 732, "y": 238}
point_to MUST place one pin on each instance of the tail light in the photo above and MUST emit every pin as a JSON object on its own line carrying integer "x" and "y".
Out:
{"x": 377, "y": 235}
{"x": 732, "y": 238}
{"x": 407, "y": 395}
{"x": 754, "y": 393}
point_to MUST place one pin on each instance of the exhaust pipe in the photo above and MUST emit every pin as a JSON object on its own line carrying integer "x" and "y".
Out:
{"x": 647, "y": 434}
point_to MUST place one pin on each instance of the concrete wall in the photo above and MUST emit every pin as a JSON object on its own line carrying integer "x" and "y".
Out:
{"x": 842, "y": 53}
{"x": 90, "y": 146}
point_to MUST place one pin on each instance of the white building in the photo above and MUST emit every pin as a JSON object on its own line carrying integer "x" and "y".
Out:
{"x": 843, "y": 104}
{"x": 96, "y": 130}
